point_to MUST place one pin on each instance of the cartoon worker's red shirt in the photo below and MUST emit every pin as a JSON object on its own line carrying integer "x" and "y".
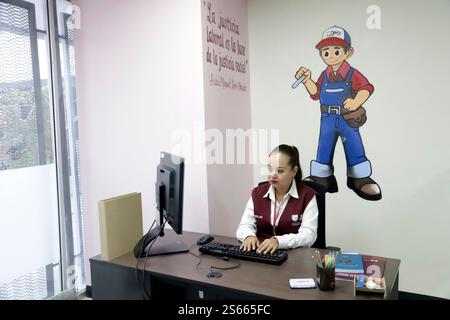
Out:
{"x": 359, "y": 82}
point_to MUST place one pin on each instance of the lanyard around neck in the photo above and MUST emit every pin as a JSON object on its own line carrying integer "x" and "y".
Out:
{"x": 275, "y": 215}
{"x": 275, "y": 212}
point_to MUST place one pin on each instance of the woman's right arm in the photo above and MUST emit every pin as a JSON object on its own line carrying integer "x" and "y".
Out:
{"x": 247, "y": 227}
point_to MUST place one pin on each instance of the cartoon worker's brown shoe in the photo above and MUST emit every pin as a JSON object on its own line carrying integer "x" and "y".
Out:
{"x": 329, "y": 184}
{"x": 366, "y": 188}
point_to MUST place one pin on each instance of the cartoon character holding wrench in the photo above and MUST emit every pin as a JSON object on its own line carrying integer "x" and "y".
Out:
{"x": 342, "y": 90}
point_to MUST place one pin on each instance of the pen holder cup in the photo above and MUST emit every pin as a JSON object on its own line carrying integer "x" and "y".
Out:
{"x": 325, "y": 278}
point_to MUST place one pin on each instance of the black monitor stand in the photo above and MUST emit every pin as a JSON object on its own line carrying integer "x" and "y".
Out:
{"x": 163, "y": 245}
{"x": 154, "y": 246}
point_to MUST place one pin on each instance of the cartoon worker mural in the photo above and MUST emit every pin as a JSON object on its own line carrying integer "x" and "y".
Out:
{"x": 342, "y": 90}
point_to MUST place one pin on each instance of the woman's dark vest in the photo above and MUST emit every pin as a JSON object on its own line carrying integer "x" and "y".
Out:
{"x": 291, "y": 218}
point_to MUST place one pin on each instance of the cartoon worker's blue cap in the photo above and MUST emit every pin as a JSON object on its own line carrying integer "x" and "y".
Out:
{"x": 334, "y": 36}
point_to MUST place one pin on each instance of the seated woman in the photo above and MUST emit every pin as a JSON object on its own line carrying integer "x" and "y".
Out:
{"x": 281, "y": 213}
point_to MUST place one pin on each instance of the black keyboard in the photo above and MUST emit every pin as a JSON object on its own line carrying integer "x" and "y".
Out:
{"x": 232, "y": 251}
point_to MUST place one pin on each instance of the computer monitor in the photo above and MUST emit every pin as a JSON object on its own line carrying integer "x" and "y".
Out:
{"x": 169, "y": 200}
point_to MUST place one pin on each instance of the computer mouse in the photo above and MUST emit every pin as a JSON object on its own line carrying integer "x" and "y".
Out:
{"x": 207, "y": 238}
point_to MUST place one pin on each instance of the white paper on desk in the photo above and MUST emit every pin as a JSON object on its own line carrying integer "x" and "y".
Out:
{"x": 302, "y": 283}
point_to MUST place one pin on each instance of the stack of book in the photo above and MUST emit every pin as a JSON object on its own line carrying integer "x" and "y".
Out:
{"x": 350, "y": 264}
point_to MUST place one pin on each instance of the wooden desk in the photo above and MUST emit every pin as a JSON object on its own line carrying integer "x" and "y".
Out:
{"x": 176, "y": 276}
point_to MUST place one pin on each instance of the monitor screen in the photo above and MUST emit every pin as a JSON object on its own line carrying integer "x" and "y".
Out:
{"x": 169, "y": 200}
{"x": 169, "y": 190}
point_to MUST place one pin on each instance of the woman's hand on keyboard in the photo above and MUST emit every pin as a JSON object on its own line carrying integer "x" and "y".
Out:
{"x": 268, "y": 245}
{"x": 250, "y": 243}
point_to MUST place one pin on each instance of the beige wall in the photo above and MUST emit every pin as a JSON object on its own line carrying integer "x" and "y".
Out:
{"x": 229, "y": 184}
{"x": 139, "y": 80}
{"x": 406, "y": 136}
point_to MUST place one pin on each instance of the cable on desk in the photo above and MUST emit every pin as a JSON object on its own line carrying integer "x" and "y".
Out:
{"x": 198, "y": 257}
{"x": 238, "y": 263}
{"x": 137, "y": 260}
{"x": 145, "y": 262}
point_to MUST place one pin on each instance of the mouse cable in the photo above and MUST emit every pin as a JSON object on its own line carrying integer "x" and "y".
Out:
{"x": 213, "y": 274}
{"x": 237, "y": 265}
{"x": 197, "y": 256}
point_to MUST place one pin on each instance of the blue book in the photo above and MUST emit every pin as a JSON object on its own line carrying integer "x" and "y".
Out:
{"x": 349, "y": 263}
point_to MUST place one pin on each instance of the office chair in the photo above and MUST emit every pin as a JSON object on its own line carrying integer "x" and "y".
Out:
{"x": 320, "y": 242}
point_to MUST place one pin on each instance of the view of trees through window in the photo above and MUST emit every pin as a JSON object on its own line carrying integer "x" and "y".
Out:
{"x": 19, "y": 145}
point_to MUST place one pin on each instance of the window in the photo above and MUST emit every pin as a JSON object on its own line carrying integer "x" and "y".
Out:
{"x": 40, "y": 202}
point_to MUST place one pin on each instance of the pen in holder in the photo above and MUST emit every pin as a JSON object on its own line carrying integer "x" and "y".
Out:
{"x": 325, "y": 269}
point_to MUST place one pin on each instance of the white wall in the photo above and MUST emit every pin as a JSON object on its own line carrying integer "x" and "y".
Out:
{"x": 406, "y": 136}
{"x": 227, "y": 107}
{"x": 139, "y": 79}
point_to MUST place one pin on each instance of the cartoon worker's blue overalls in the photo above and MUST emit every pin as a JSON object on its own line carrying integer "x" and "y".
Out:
{"x": 332, "y": 126}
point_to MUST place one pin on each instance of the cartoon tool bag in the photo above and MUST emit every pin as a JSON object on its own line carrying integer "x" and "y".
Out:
{"x": 355, "y": 118}
{"x": 333, "y": 95}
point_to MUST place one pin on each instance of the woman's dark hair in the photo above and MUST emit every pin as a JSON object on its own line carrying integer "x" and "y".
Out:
{"x": 294, "y": 158}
